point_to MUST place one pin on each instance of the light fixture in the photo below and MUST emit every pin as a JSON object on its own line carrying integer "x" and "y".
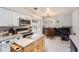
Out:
{"x": 48, "y": 13}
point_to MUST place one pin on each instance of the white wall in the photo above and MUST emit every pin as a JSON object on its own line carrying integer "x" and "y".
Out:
{"x": 64, "y": 20}
{"x": 50, "y": 22}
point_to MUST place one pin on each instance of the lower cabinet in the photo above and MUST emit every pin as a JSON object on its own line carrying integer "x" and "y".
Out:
{"x": 5, "y": 48}
{"x": 5, "y": 45}
{"x": 41, "y": 44}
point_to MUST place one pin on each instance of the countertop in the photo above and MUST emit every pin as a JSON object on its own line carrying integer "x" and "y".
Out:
{"x": 2, "y": 38}
{"x": 75, "y": 40}
{"x": 26, "y": 41}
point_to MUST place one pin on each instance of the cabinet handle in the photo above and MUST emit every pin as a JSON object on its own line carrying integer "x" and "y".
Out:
{"x": 18, "y": 38}
{"x": 7, "y": 41}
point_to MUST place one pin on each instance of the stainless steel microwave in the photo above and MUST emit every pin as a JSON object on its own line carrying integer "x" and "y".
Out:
{"x": 24, "y": 22}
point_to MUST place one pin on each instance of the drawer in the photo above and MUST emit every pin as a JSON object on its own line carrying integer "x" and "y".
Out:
{"x": 5, "y": 42}
{"x": 16, "y": 48}
{"x": 5, "y": 48}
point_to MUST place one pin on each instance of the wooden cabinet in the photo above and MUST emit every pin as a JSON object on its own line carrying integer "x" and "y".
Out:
{"x": 37, "y": 46}
{"x": 30, "y": 48}
{"x": 41, "y": 44}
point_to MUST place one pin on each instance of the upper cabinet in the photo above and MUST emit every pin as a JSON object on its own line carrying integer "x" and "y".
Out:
{"x": 10, "y": 17}
{"x": 15, "y": 18}
{"x": 4, "y": 17}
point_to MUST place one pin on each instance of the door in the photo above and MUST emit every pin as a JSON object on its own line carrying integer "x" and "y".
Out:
{"x": 4, "y": 17}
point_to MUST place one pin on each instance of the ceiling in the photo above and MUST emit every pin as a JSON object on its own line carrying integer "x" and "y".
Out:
{"x": 54, "y": 11}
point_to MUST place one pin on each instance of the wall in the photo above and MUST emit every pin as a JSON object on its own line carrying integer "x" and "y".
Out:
{"x": 59, "y": 21}
{"x": 50, "y": 22}
{"x": 65, "y": 20}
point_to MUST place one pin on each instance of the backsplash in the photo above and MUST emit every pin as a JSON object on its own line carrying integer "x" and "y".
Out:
{"x": 5, "y": 28}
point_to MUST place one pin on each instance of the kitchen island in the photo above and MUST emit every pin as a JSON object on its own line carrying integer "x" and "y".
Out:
{"x": 36, "y": 43}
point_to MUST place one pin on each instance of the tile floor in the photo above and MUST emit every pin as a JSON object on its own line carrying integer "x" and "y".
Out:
{"x": 56, "y": 45}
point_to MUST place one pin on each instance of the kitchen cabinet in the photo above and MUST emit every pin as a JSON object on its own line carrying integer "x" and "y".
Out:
{"x": 5, "y": 45}
{"x": 22, "y": 16}
{"x": 36, "y": 46}
{"x": 4, "y": 17}
{"x": 10, "y": 18}
{"x": 5, "y": 48}
{"x": 29, "y": 48}
{"x": 15, "y": 18}
{"x": 41, "y": 44}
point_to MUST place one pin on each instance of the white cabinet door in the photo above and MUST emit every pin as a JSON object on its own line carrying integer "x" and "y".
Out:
{"x": 5, "y": 45}
{"x": 5, "y": 48}
{"x": 22, "y": 16}
{"x": 4, "y": 17}
{"x": 15, "y": 18}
